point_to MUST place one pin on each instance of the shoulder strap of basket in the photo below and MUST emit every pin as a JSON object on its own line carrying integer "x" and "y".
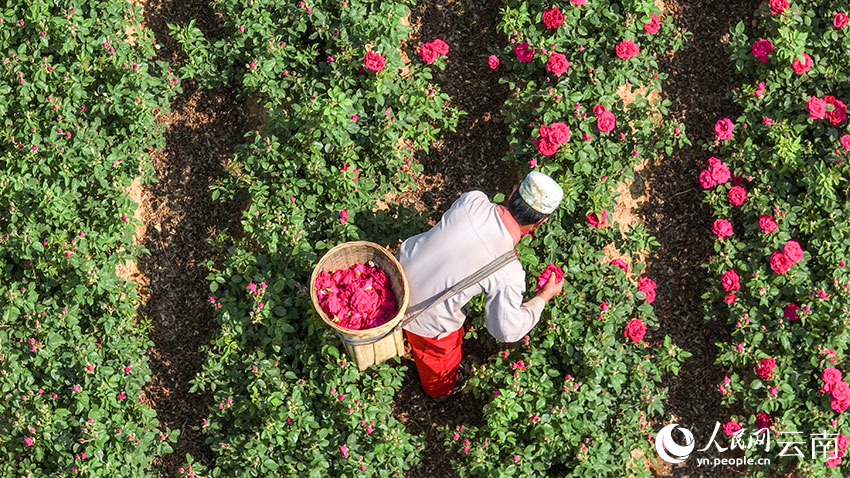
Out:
{"x": 471, "y": 280}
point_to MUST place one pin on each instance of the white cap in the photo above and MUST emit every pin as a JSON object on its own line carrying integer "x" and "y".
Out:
{"x": 541, "y": 192}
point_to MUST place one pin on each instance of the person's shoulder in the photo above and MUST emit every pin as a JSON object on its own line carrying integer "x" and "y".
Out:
{"x": 473, "y": 197}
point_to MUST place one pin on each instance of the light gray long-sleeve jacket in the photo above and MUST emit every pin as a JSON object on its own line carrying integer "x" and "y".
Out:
{"x": 469, "y": 236}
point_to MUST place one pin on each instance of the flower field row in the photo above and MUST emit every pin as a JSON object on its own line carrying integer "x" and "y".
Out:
{"x": 777, "y": 183}
{"x": 77, "y": 99}
{"x": 577, "y": 397}
{"x": 344, "y": 102}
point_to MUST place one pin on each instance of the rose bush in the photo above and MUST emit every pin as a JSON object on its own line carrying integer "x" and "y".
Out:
{"x": 791, "y": 235}
{"x": 345, "y": 100}
{"x": 77, "y": 108}
{"x": 576, "y": 396}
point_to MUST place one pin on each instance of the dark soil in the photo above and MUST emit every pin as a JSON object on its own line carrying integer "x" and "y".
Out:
{"x": 202, "y": 131}
{"x": 701, "y": 79}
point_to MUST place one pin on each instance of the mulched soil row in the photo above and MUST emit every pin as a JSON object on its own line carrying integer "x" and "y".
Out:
{"x": 203, "y": 129}
{"x": 701, "y": 79}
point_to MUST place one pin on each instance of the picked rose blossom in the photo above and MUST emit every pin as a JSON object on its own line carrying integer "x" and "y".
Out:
{"x": 357, "y": 298}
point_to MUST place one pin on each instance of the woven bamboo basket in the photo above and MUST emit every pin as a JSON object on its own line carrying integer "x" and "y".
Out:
{"x": 344, "y": 256}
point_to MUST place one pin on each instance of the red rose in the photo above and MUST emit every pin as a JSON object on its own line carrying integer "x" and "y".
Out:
{"x": 731, "y": 427}
{"x": 762, "y": 48}
{"x": 627, "y": 49}
{"x": 714, "y": 162}
{"x": 843, "y": 442}
{"x": 730, "y": 281}
{"x": 647, "y": 286}
{"x": 790, "y": 311}
{"x": 839, "y": 406}
{"x": 763, "y": 420}
{"x": 705, "y": 179}
{"x": 441, "y": 47}
{"x": 606, "y": 122}
{"x": 428, "y": 53}
{"x": 831, "y": 375}
{"x": 374, "y": 61}
{"x": 840, "y": 391}
{"x": 793, "y": 250}
{"x": 801, "y": 67}
{"x": 730, "y": 298}
{"x": 778, "y": 7}
{"x": 619, "y": 263}
{"x": 839, "y": 110}
{"x": 767, "y": 224}
{"x": 597, "y": 220}
{"x": 547, "y": 147}
{"x": 523, "y": 52}
{"x": 736, "y": 195}
{"x": 722, "y": 228}
{"x": 780, "y": 263}
{"x": 553, "y": 18}
{"x": 653, "y": 26}
{"x": 765, "y": 368}
{"x": 723, "y": 129}
{"x": 557, "y": 64}
{"x": 559, "y": 132}
{"x": 635, "y": 330}
{"x": 493, "y": 62}
{"x": 720, "y": 174}
{"x": 840, "y": 20}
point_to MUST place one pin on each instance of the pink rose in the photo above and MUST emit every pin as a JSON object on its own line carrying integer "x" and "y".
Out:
{"x": 493, "y": 62}
{"x": 553, "y": 18}
{"x": 619, "y": 263}
{"x": 831, "y": 375}
{"x": 653, "y": 26}
{"x": 441, "y": 47}
{"x": 730, "y": 298}
{"x": 559, "y": 133}
{"x": 720, "y": 173}
{"x": 840, "y": 20}
{"x": 606, "y": 122}
{"x": 736, "y": 195}
{"x": 780, "y": 263}
{"x": 816, "y": 107}
{"x": 845, "y": 142}
{"x": 778, "y": 7}
{"x": 635, "y": 330}
{"x": 790, "y": 311}
{"x": 647, "y": 286}
{"x": 762, "y": 48}
{"x": 793, "y": 251}
{"x": 597, "y": 220}
{"x": 550, "y": 271}
{"x": 627, "y": 49}
{"x": 714, "y": 162}
{"x": 523, "y": 52}
{"x": 705, "y": 179}
{"x": 374, "y": 61}
{"x": 28, "y": 441}
{"x": 767, "y": 224}
{"x": 801, "y": 67}
{"x": 765, "y": 368}
{"x": 344, "y": 450}
{"x": 840, "y": 391}
{"x": 730, "y": 281}
{"x": 577, "y": 3}
{"x": 723, "y": 129}
{"x": 428, "y": 53}
{"x": 557, "y": 64}
{"x": 731, "y": 427}
{"x": 722, "y": 228}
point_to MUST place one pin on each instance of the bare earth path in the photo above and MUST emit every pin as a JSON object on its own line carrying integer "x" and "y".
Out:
{"x": 202, "y": 131}
{"x": 701, "y": 77}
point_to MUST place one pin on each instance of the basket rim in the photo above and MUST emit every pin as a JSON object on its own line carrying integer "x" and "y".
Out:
{"x": 363, "y": 333}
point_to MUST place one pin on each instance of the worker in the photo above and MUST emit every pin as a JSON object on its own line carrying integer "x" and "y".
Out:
{"x": 471, "y": 234}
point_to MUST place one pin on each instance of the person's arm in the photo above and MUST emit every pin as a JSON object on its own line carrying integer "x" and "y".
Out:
{"x": 507, "y": 318}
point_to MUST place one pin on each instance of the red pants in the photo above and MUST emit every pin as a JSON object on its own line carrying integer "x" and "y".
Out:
{"x": 437, "y": 361}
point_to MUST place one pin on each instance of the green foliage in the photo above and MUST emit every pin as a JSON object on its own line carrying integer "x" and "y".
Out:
{"x": 78, "y": 106}
{"x": 796, "y": 171}
{"x": 583, "y": 400}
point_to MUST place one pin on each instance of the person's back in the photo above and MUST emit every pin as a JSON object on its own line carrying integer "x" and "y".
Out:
{"x": 470, "y": 235}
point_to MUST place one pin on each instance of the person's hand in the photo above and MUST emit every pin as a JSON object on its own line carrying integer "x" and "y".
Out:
{"x": 552, "y": 288}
